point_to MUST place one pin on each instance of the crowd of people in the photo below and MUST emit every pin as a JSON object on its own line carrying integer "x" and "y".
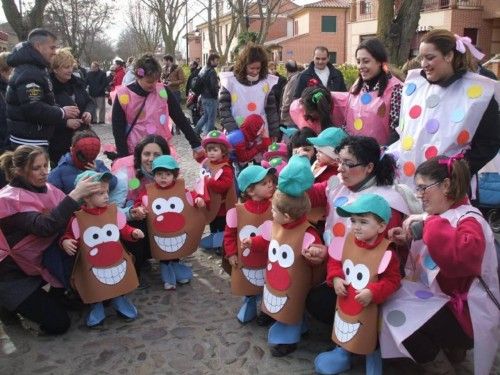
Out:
{"x": 352, "y": 206}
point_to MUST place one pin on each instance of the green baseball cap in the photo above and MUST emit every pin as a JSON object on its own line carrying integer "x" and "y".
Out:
{"x": 96, "y": 176}
{"x": 251, "y": 175}
{"x": 367, "y": 203}
{"x": 330, "y": 137}
{"x": 296, "y": 177}
{"x": 165, "y": 162}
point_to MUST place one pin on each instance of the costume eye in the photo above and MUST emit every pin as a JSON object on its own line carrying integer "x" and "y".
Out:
{"x": 274, "y": 247}
{"x": 175, "y": 204}
{"x": 285, "y": 256}
{"x": 248, "y": 231}
{"x": 92, "y": 236}
{"x": 348, "y": 268}
{"x": 360, "y": 276}
{"x": 159, "y": 206}
{"x": 110, "y": 233}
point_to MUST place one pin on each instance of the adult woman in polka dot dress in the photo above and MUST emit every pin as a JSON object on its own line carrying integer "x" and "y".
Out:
{"x": 363, "y": 168}
{"x": 246, "y": 90}
{"x": 145, "y": 107}
{"x": 446, "y": 108}
{"x": 371, "y": 108}
{"x": 446, "y": 303}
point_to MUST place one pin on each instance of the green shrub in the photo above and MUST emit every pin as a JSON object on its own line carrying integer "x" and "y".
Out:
{"x": 350, "y": 73}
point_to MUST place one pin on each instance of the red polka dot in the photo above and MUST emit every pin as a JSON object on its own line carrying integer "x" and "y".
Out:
{"x": 415, "y": 111}
{"x": 409, "y": 168}
{"x": 431, "y": 152}
{"x": 338, "y": 230}
{"x": 463, "y": 137}
{"x": 251, "y": 106}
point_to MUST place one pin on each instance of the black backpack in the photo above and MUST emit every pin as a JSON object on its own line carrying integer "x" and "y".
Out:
{"x": 198, "y": 82}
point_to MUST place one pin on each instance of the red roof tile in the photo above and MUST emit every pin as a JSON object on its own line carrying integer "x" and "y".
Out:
{"x": 329, "y": 4}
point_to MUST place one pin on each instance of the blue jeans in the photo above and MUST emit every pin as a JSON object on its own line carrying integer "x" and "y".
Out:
{"x": 207, "y": 121}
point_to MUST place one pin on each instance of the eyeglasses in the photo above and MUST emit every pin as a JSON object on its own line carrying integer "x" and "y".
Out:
{"x": 348, "y": 165}
{"x": 421, "y": 189}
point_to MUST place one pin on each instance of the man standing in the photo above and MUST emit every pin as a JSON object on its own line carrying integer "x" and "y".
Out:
{"x": 31, "y": 109}
{"x": 98, "y": 82}
{"x": 323, "y": 72}
{"x": 207, "y": 85}
{"x": 173, "y": 77}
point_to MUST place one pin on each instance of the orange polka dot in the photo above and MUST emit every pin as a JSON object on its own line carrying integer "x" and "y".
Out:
{"x": 339, "y": 230}
{"x": 251, "y": 106}
{"x": 463, "y": 137}
{"x": 431, "y": 152}
{"x": 409, "y": 168}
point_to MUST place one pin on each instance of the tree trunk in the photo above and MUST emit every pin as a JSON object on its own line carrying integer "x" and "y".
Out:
{"x": 397, "y": 30}
{"x": 22, "y": 25}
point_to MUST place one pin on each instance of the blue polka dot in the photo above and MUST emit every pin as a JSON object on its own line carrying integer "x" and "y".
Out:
{"x": 429, "y": 262}
{"x": 366, "y": 98}
{"x": 457, "y": 115}
{"x": 163, "y": 119}
{"x": 424, "y": 294}
{"x": 340, "y": 201}
{"x": 410, "y": 89}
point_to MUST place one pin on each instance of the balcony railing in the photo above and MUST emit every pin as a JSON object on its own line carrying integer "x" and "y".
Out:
{"x": 429, "y": 5}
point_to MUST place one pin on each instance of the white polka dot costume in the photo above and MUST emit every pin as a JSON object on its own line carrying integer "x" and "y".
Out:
{"x": 420, "y": 297}
{"x": 153, "y": 119}
{"x": 438, "y": 120}
{"x": 247, "y": 100}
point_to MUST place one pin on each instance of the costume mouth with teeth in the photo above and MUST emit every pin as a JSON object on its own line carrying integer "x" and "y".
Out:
{"x": 175, "y": 226}
{"x": 103, "y": 268}
{"x": 355, "y": 326}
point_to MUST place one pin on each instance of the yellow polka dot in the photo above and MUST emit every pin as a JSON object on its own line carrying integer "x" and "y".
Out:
{"x": 123, "y": 99}
{"x": 265, "y": 88}
{"x": 358, "y": 124}
{"x": 474, "y": 91}
{"x": 234, "y": 98}
{"x": 407, "y": 143}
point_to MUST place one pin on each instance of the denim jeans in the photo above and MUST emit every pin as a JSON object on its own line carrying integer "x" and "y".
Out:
{"x": 207, "y": 121}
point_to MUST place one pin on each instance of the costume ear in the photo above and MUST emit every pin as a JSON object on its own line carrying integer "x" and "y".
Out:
{"x": 231, "y": 218}
{"x": 75, "y": 228}
{"x": 335, "y": 248}
{"x": 189, "y": 199}
{"x": 384, "y": 262}
{"x": 145, "y": 200}
{"x": 265, "y": 229}
{"x": 121, "y": 219}
{"x": 308, "y": 240}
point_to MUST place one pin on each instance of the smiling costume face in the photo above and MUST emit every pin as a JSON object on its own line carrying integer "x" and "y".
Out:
{"x": 175, "y": 226}
{"x": 355, "y": 327}
{"x": 103, "y": 269}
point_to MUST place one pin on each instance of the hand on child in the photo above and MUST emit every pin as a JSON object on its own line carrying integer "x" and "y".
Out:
{"x": 233, "y": 260}
{"x": 339, "y": 285}
{"x": 364, "y": 297}
{"x": 70, "y": 246}
{"x": 90, "y": 166}
{"x": 138, "y": 213}
{"x": 199, "y": 202}
{"x": 199, "y": 156}
{"x": 315, "y": 253}
{"x": 398, "y": 235}
{"x": 246, "y": 243}
{"x": 137, "y": 234}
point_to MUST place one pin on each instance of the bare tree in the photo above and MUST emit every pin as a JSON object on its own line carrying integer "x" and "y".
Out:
{"x": 102, "y": 51}
{"x": 24, "y": 22}
{"x": 79, "y": 22}
{"x": 144, "y": 27}
{"x": 396, "y": 27}
{"x": 125, "y": 46}
{"x": 268, "y": 12}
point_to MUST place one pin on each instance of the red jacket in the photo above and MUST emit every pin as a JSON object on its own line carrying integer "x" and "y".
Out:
{"x": 388, "y": 281}
{"x": 223, "y": 183}
{"x": 118, "y": 77}
{"x": 331, "y": 170}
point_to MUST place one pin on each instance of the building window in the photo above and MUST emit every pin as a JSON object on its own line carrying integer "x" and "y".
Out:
{"x": 227, "y": 31}
{"x": 365, "y": 7}
{"x": 332, "y": 57}
{"x": 328, "y": 24}
{"x": 472, "y": 34}
{"x": 295, "y": 28}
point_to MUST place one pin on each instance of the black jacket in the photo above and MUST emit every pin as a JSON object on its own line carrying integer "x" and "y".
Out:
{"x": 335, "y": 79}
{"x": 66, "y": 94}
{"x": 4, "y": 134}
{"x": 98, "y": 82}
{"x": 192, "y": 76}
{"x": 32, "y": 115}
{"x": 209, "y": 82}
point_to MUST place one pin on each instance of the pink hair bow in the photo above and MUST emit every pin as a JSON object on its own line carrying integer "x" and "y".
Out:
{"x": 449, "y": 161}
{"x": 464, "y": 41}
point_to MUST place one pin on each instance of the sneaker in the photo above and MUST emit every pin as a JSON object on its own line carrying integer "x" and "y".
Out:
{"x": 282, "y": 350}
{"x": 184, "y": 281}
{"x": 168, "y": 286}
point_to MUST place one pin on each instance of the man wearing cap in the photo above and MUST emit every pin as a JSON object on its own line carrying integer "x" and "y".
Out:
{"x": 325, "y": 144}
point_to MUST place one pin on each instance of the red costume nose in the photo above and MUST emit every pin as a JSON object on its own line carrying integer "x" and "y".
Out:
{"x": 278, "y": 277}
{"x": 348, "y": 305}
{"x": 254, "y": 259}
{"x": 169, "y": 222}
{"x": 105, "y": 254}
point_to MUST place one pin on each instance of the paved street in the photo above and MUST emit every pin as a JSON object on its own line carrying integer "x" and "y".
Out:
{"x": 192, "y": 330}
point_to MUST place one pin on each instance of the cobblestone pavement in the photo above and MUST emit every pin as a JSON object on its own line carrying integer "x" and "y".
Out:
{"x": 192, "y": 330}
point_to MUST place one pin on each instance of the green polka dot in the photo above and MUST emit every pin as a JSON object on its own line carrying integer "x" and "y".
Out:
{"x": 214, "y": 134}
{"x": 163, "y": 93}
{"x": 134, "y": 183}
{"x": 239, "y": 120}
{"x": 273, "y": 147}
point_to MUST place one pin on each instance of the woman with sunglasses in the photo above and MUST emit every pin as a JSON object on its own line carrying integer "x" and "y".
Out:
{"x": 446, "y": 305}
